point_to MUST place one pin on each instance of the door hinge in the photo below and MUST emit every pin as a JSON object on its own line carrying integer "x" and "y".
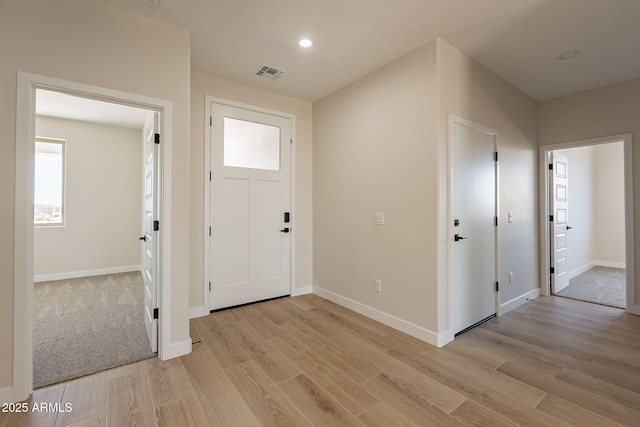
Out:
{"x": 497, "y": 286}
{"x": 209, "y": 231}
{"x": 496, "y": 221}
{"x": 210, "y": 120}
{"x": 552, "y": 270}
{"x": 156, "y": 313}
{"x": 209, "y": 175}
{"x": 291, "y": 141}
{"x": 551, "y": 218}
{"x": 157, "y": 138}
{"x": 495, "y": 156}
{"x": 156, "y": 225}
{"x": 550, "y": 166}
{"x": 209, "y": 286}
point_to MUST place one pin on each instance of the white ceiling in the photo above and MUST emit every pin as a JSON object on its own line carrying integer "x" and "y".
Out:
{"x": 517, "y": 39}
{"x": 63, "y": 106}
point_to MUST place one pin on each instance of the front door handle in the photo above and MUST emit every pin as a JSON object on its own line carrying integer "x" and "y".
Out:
{"x": 285, "y": 230}
{"x": 458, "y": 237}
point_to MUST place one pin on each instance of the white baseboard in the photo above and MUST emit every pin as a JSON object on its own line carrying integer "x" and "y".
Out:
{"x": 518, "y": 301}
{"x": 384, "y": 318}
{"x": 6, "y": 395}
{"x": 610, "y": 264}
{"x": 177, "y": 349}
{"x": 302, "y": 291}
{"x": 198, "y": 312}
{"x": 580, "y": 270}
{"x": 592, "y": 264}
{"x": 85, "y": 273}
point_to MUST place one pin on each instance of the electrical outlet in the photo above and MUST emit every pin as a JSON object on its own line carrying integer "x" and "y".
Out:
{"x": 511, "y": 277}
{"x": 377, "y": 285}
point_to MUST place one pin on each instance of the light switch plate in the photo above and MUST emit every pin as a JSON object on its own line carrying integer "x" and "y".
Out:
{"x": 378, "y": 218}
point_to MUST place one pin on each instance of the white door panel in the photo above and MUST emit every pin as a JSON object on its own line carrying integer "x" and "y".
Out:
{"x": 559, "y": 226}
{"x": 150, "y": 236}
{"x": 268, "y": 238}
{"x": 250, "y": 192}
{"x": 473, "y": 255}
{"x": 235, "y": 234}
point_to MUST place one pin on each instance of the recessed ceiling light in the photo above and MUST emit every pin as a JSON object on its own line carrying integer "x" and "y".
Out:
{"x": 306, "y": 43}
{"x": 570, "y": 54}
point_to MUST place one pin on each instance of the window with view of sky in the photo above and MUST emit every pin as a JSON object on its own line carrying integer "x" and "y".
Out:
{"x": 49, "y": 182}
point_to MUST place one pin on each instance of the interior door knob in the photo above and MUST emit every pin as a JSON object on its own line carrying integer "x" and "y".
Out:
{"x": 569, "y": 228}
{"x": 285, "y": 230}
{"x": 458, "y": 237}
{"x": 143, "y": 238}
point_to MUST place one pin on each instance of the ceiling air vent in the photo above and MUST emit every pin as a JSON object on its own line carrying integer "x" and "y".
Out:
{"x": 269, "y": 72}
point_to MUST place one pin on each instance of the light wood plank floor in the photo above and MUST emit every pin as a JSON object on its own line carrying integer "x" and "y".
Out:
{"x": 305, "y": 361}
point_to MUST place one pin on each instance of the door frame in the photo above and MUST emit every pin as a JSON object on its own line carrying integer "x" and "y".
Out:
{"x": 23, "y": 245}
{"x": 544, "y": 206}
{"x": 204, "y": 310}
{"x": 455, "y": 120}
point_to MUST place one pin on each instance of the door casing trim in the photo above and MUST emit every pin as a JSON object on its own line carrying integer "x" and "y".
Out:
{"x": 28, "y": 83}
{"x": 455, "y": 120}
{"x": 204, "y": 310}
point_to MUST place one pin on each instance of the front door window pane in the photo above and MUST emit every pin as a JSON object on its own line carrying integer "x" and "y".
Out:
{"x": 251, "y": 145}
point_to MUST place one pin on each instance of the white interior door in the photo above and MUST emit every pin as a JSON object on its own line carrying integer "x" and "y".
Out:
{"x": 250, "y": 228}
{"x": 559, "y": 225}
{"x": 150, "y": 237}
{"x": 473, "y": 205}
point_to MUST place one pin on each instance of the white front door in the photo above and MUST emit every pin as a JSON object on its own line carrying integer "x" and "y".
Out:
{"x": 250, "y": 213}
{"x": 558, "y": 224}
{"x": 150, "y": 237}
{"x": 473, "y": 237}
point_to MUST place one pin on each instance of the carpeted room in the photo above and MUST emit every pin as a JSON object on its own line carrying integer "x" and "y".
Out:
{"x": 88, "y": 291}
{"x": 595, "y": 232}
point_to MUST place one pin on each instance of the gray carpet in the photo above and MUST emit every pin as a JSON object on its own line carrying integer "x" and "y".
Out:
{"x": 86, "y": 325}
{"x": 600, "y": 285}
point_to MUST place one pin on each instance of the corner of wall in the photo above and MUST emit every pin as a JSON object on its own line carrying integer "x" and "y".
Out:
{"x": 468, "y": 90}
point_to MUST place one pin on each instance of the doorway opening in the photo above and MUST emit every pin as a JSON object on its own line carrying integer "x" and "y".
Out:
{"x": 89, "y": 290}
{"x": 586, "y": 221}
{"x": 26, "y": 131}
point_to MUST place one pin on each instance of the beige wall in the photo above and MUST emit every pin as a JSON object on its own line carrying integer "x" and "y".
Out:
{"x": 610, "y": 110}
{"x": 203, "y": 85}
{"x": 103, "y": 200}
{"x": 380, "y": 145}
{"x": 470, "y": 91}
{"x": 93, "y": 42}
{"x": 375, "y": 151}
{"x": 609, "y": 206}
